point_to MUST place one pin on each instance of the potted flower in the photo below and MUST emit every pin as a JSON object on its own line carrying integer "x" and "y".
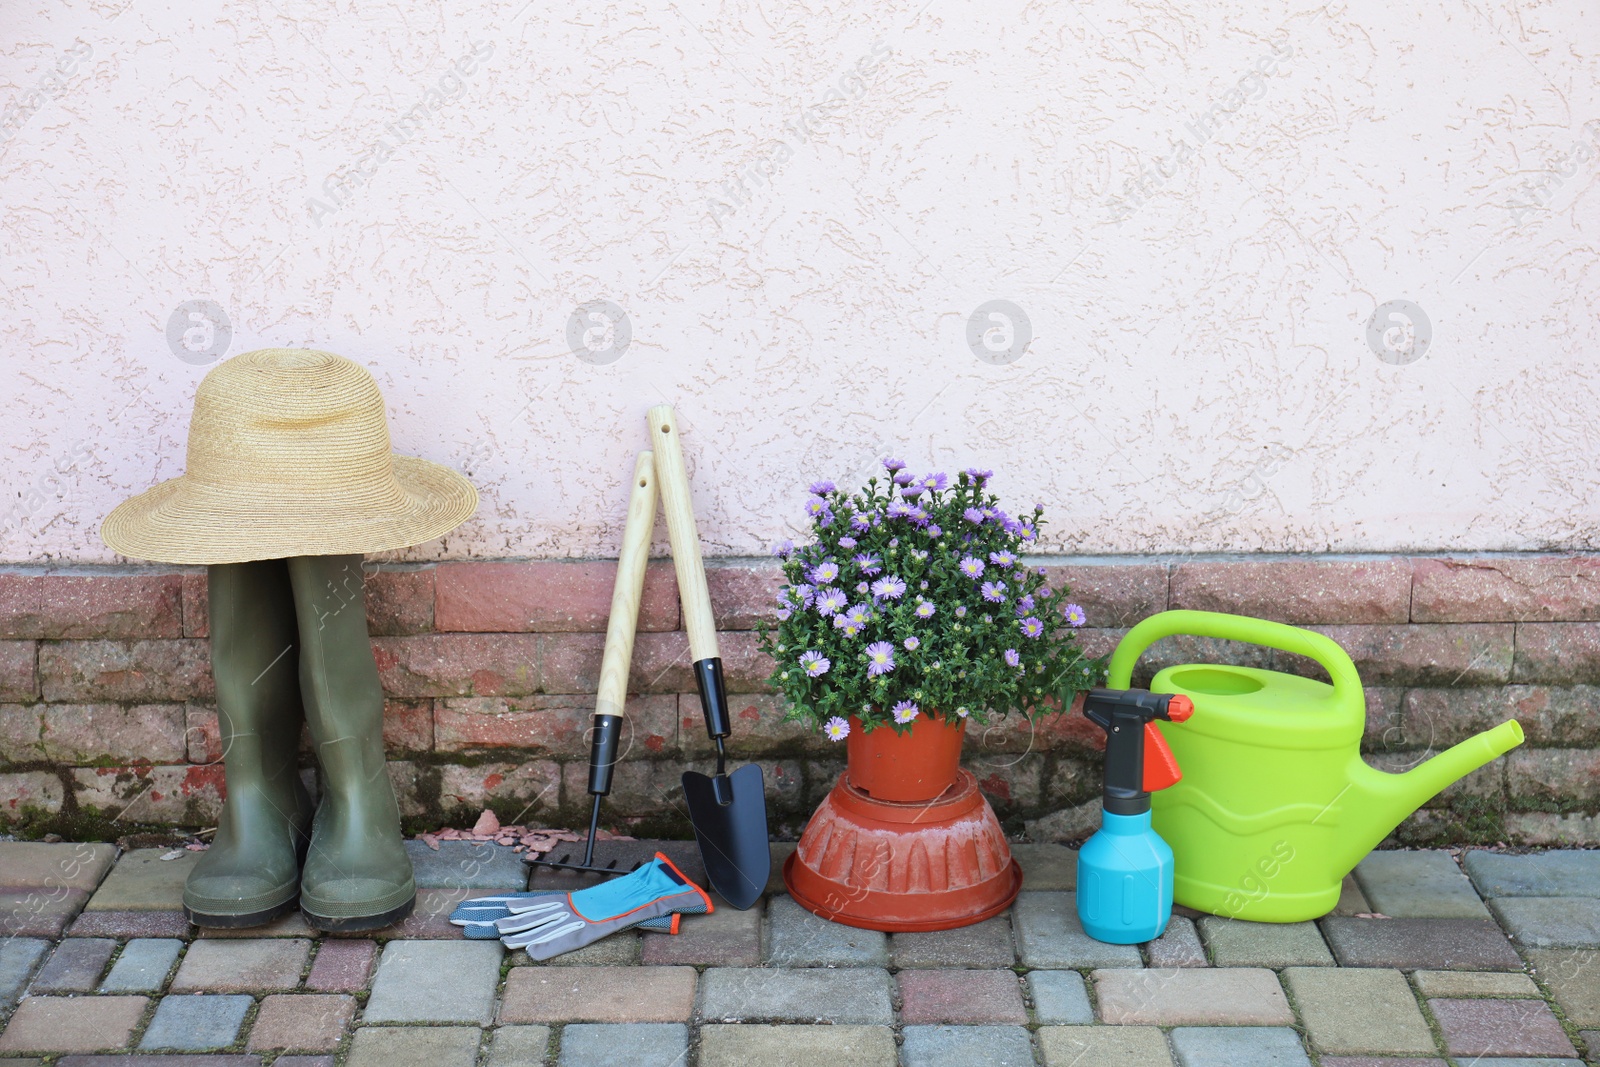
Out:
{"x": 911, "y": 613}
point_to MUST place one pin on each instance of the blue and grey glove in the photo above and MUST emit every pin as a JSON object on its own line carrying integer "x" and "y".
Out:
{"x": 477, "y": 916}
{"x": 558, "y": 924}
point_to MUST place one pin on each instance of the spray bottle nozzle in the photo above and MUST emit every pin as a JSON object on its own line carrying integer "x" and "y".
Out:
{"x": 1138, "y": 761}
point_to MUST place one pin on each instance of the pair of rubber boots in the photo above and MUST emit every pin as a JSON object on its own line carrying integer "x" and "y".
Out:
{"x": 289, "y": 646}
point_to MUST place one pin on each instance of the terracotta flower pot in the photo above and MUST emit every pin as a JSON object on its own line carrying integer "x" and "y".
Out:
{"x": 912, "y": 767}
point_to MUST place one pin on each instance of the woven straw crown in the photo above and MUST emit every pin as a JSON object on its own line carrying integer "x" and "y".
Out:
{"x": 289, "y": 456}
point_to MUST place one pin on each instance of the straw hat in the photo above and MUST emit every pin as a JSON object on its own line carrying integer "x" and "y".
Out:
{"x": 289, "y": 456}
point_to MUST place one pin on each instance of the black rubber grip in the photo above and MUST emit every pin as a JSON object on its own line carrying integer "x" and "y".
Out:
{"x": 713, "y": 696}
{"x": 603, "y": 753}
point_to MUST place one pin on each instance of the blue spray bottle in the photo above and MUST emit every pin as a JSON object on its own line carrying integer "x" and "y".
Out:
{"x": 1125, "y": 869}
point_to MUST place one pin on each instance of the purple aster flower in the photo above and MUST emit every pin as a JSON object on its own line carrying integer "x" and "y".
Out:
{"x": 888, "y": 588}
{"x": 1031, "y": 626}
{"x": 825, "y": 519}
{"x": 961, "y": 611}
{"x": 1025, "y": 604}
{"x": 784, "y": 612}
{"x": 919, "y": 516}
{"x": 974, "y": 516}
{"x": 861, "y": 587}
{"x": 934, "y": 482}
{"x": 1027, "y": 530}
{"x": 903, "y": 478}
{"x": 925, "y": 609}
{"x": 831, "y": 601}
{"x": 822, "y": 488}
{"x": 923, "y": 584}
{"x": 802, "y": 594}
{"x": 815, "y": 506}
{"x": 860, "y": 523}
{"x": 1011, "y": 657}
{"x": 920, "y": 553}
{"x": 815, "y": 664}
{"x": 994, "y": 592}
{"x": 880, "y": 658}
{"x": 897, "y": 509}
{"x": 836, "y": 728}
{"x": 1044, "y": 590}
{"x": 847, "y": 541}
{"x": 971, "y": 566}
{"x": 894, "y": 542}
{"x": 904, "y": 712}
{"x": 1004, "y": 559}
{"x": 912, "y": 643}
{"x": 868, "y": 563}
{"x": 824, "y": 572}
{"x": 911, "y": 492}
{"x": 1013, "y": 526}
{"x": 1074, "y": 615}
{"x": 979, "y": 477}
{"x": 935, "y": 530}
{"x": 783, "y": 549}
{"x": 891, "y": 465}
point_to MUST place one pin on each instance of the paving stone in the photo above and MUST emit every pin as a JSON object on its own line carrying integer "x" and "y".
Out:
{"x": 961, "y": 997}
{"x": 1557, "y": 873}
{"x": 342, "y": 966}
{"x": 797, "y": 938}
{"x": 1237, "y": 943}
{"x": 464, "y": 865}
{"x": 1241, "y": 996}
{"x": 797, "y": 1046}
{"x": 1049, "y": 935}
{"x": 1359, "y": 1011}
{"x": 598, "y": 995}
{"x": 764, "y": 994}
{"x": 1474, "y": 984}
{"x": 1228, "y": 1046}
{"x": 1178, "y": 946}
{"x": 436, "y": 1046}
{"x": 962, "y": 1046}
{"x": 172, "y": 1059}
{"x": 38, "y": 864}
{"x": 1573, "y": 976}
{"x": 74, "y": 967}
{"x": 143, "y": 881}
{"x": 281, "y": 1061}
{"x": 72, "y": 1024}
{"x": 1500, "y": 1028}
{"x": 1104, "y": 1046}
{"x": 516, "y": 1046}
{"x": 1060, "y": 997}
{"x": 429, "y": 919}
{"x": 18, "y": 958}
{"x": 435, "y": 982}
{"x": 1418, "y": 885}
{"x": 1550, "y": 922}
{"x": 1047, "y": 866}
{"x": 624, "y": 1045}
{"x": 1352, "y": 901}
{"x": 1433, "y": 944}
{"x": 39, "y": 912}
{"x": 241, "y": 966}
{"x": 196, "y": 1022}
{"x": 727, "y": 937}
{"x": 985, "y": 944}
{"x": 1369, "y": 1061}
{"x": 143, "y": 966}
{"x": 1591, "y": 1040}
{"x": 309, "y": 1022}
{"x": 129, "y": 924}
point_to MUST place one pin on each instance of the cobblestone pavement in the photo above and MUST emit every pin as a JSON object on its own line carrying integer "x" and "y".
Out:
{"x": 1492, "y": 960}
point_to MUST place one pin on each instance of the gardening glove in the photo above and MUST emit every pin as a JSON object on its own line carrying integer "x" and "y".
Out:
{"x": 477, "y": 916}
{"x": 560, "y": 924}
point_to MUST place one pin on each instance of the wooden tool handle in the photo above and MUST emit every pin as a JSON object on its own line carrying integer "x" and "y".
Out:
{"x": 629, "y": 589}
{"x": 674, "y": 478}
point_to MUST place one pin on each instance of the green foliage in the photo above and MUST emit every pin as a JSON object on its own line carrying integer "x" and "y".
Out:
{"x": 913, "y": 596}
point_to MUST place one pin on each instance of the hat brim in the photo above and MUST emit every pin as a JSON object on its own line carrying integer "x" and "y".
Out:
{"x": 182, "y": 521}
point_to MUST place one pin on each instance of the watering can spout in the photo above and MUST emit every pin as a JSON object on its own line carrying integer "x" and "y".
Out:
{"x": 1381, "y": 801}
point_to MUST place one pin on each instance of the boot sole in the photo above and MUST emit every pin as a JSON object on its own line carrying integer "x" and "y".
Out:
{"x": 223, "y": 921}
{"x": 359, "y": 923}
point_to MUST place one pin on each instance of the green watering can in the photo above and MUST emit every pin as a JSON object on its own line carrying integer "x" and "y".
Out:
{"x": 1276, "y": 805}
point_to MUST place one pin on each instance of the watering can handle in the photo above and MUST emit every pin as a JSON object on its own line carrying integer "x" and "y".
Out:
{"x": 1334, "y": 660}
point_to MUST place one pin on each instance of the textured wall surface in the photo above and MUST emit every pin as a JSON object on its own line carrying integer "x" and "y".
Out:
{"x": 1200, "y": 208}
{"x": 108, "y": 708}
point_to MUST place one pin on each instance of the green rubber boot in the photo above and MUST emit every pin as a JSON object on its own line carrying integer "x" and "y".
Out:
{"x": 251, "y": 873}
{"x": 357, "y": 875}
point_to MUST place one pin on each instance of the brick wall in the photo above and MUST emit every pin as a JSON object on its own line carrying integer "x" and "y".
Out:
{"x": 107, "y": 704}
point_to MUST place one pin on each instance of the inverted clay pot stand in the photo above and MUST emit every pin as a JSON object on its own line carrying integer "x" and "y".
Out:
{"x": 904, "y": 865}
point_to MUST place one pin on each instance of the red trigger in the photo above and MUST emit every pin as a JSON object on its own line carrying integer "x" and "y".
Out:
{"x": 1160, "y": 765}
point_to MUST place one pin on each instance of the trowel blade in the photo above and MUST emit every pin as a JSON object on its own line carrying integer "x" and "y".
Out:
{"x": 733, "y": 836}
